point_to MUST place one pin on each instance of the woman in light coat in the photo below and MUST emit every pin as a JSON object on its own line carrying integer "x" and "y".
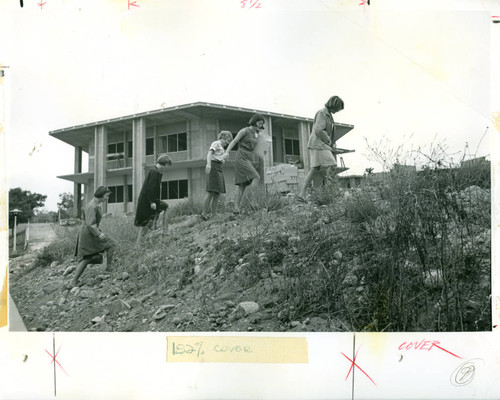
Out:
{"x": 320, "y": 145}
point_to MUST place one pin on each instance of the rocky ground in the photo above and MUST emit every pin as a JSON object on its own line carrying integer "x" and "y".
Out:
{"x": 343, "y": 262}
{"x": 204, "y": 299}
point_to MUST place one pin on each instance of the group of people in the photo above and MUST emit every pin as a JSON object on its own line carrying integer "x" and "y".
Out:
{"x": 249, "y": 174}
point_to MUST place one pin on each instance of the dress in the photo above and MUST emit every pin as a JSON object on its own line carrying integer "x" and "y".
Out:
{"x": 322, "y": 134}
{"x": 248, "y": 165}
{"x": 150, "y": 193}
{"x": 89, "y": 243}
{"x": 215, "y": 179}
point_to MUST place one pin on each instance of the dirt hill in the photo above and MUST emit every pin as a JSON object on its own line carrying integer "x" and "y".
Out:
{"x": 199, "y": 295}
{"x": 358, "y": 260}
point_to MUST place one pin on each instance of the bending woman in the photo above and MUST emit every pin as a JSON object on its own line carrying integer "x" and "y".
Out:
{"x": 149, "y": 203}
{"x": 91, "y": 240}
{"x": 249, "y": 167}
{"x": 320, "y": 145}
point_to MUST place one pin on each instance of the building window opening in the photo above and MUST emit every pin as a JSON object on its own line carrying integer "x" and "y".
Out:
{"x": 174, "y": 189}
{"x": 116, "y": 151}
{"x": 150, "y": 146}
{"x": 116, "y": 195}
{"x": 292, "y": 147}
{"x": 130, "y": 152}
{"x": 130, "y": 196}
{"x": 173, "y": 143}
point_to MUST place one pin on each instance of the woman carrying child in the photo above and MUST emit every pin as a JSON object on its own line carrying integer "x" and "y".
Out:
{"x": 215, "y": 177}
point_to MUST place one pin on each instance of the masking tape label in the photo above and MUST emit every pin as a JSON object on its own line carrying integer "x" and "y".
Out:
{"x": 240, "y": 349}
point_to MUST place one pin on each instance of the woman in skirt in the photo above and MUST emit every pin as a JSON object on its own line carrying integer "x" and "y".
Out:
{"x": 320, "y": 145}
{"x": 249, "y": 166}
{"x": 215, "y": 177}
{"x": 92, "y": 242}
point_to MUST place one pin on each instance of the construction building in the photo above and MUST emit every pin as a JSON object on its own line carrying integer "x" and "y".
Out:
{"x": 121, "y": 150}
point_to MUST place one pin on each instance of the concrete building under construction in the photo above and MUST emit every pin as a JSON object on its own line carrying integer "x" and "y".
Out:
{"x": 121, "y": 150}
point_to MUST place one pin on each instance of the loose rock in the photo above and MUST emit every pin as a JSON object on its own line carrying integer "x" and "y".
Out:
{"x": 87, "y": 294}
{"x": 69, "y": 270}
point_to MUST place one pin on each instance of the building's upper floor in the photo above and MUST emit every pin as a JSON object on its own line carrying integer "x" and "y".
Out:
{"x": 185, "y": 133}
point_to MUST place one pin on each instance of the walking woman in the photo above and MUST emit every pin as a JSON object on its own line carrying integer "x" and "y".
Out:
{"x": 249, "y": 166}
{"x": 149, "y": 203}
{"x": 92, "y": 242}
{"x": 320, "y": 145}
{"x": 216, "y": 157}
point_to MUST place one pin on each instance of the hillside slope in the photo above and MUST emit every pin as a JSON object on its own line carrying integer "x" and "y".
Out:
{"x": 348, "y": 260}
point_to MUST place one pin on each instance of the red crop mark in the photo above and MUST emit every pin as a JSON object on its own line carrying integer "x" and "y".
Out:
{"x": 252, "y": 3}
{"x": 54, "y": 359}
{"x": 133, "y": 4}
{"x": 41, "y": 4}
{"x": 449, "y": 352}
{"x": 353, "y": 364}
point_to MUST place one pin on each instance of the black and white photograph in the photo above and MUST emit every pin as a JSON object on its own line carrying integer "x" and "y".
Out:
{"x": 176, "y": 168}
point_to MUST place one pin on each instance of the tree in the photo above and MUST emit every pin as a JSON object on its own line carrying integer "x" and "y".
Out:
{"x": 65, "y": 204}
{"x": 44, "y": 215}
{"x": 25, "y": 201}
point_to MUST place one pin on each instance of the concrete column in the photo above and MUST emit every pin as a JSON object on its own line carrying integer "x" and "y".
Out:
{"x": 155, "y": 140}
{"x": 195, "y": 140}
{"x": 188, "y": 138}
{"x": 268, "y": 129}
{"x": 193, "y": 183}
{"x": 304, "y": 131}
{"x": 100, "y": 152}
{"x": 87, "y": 191}
{"x": 77, "y": 187}
{"x": 125, "y": 194}
{"x": 139, "y": 156}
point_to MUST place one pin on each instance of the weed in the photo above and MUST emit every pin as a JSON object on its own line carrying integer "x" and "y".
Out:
{"x": 63, "y": 247}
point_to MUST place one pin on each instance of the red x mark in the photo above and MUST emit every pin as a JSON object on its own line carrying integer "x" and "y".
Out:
{"x": 132, "y": 4}
{"x": 354, "y": 364}
{"x": 54, "y": 359}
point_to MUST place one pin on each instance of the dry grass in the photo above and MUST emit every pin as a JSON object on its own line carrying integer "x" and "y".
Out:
{"x": 407, "y": 252}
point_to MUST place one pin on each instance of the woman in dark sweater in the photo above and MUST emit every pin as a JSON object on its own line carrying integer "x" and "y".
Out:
{"x": 149, "y": 202}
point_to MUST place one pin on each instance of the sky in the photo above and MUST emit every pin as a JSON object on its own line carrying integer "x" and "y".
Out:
{"x": 408, "y": 77}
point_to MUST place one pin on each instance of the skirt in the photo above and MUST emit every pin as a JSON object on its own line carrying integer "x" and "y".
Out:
{"x": 248, "y": 167}
{"x": 215, "y": 179}
{"x": 322, "y": 158}
{"x": 88, "y": 245}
